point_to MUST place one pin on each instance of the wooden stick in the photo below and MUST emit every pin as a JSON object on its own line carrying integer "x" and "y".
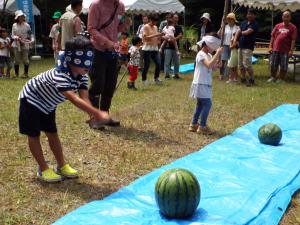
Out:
{"x": 226, "y": 8}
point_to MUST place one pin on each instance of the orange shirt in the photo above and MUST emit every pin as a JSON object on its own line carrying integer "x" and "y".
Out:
{"x": 124, "y": 46}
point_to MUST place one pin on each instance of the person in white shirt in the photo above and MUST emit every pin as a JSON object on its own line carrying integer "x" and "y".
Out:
{"x": 23, "y": 39}
{"x": 5, "y": 45}
{"x": 133, "y": 65}
{"x": 230, "y": 29}
{"x": 169, "y": 36}
{"x": 54, "y": 33}
{"x": 201, "y": 88}
{"x": 139, "y": 33}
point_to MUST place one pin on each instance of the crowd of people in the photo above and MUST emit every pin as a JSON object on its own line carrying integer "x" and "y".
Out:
{"x": 96, "y": 53}
{"x": 14, "y": 50}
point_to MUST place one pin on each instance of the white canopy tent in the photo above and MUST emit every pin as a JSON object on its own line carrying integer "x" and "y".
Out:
{"x": 153, "y": 6}
{"x": 12, "y": 6}
{"x": 273, "y": 5}
{"x": 144, "y": 6}
{"x": 282, "y": 5}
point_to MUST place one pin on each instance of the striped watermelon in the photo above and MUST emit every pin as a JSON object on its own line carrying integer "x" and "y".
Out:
{"x": 177, "y": 193}
{"x": 270, "y": 134}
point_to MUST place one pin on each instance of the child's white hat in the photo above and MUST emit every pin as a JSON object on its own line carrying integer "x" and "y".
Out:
{"x": 19, "y": 13}
{"x": 211, "y": 41}
{"x": 206, "y": 16}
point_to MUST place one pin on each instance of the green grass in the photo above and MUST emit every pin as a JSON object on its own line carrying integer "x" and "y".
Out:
{"x": 153, "y": 133}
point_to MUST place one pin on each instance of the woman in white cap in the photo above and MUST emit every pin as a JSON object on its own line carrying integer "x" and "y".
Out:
{"x": 230, "y": 29}
{"x": 205, "y": 26}
{"x": 23, "y": 39}
{"x": 201, "y": 88}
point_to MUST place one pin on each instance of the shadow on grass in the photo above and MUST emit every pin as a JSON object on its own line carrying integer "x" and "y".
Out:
{"x": 133, "y": 134}
{"x": 76, "y": 187}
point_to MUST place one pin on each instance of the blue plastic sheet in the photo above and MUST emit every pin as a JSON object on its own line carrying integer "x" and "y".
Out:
{"x": 186, "y": 68}
{"x": 242, "y": 181}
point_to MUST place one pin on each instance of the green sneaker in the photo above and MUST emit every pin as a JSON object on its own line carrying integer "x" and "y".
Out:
{"x": 67, "y": 171}
{"x": 49, "y": 176}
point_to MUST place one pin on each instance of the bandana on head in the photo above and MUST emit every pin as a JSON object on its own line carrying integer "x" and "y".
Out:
{"x": 211, "y": 41}
{"x": 79, "y": 58}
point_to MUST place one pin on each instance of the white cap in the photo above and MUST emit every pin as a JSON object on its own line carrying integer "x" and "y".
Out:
{"x": 211, "y": 41}
{"x": 206, "y": 16}
{"x": 19, "y": 13}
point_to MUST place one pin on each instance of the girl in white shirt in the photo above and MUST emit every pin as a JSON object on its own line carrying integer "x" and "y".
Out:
{"x": 201, "y": 88}
{"x": 230, "y": 29}
{"x": 5, "y": 45}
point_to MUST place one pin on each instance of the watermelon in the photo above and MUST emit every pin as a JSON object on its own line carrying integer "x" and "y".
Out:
{"x": 270, "y": 134}
{"x": 177, "y": 193}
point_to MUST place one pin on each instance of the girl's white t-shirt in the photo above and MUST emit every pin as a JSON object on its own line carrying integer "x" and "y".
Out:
{"x": 169, "y": 31}
{"x": 229, "y": 31}
{"x": 202, "y": 74}
{"x": 4, "y": 51}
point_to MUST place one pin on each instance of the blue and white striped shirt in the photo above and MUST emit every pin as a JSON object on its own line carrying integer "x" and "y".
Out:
{"x": 45, "y": 90}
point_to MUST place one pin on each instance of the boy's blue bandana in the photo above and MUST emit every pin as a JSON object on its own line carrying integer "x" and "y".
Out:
{"x": 79, "y": 58}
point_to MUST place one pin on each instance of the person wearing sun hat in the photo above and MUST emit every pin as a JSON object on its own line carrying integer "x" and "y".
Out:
{"x": 54, "y": 33}
{"x": 206, "y": 26}
{"x": 42, "y": 94}
{"x": 230, "y": 29}
{"x": 23, "y": 39}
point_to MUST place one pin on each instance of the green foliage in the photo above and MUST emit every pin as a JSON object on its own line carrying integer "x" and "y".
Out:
{"x": 190, "y": 33}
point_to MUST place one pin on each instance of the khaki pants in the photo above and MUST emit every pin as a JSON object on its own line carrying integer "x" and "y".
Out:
{"x": 21, "y": 56}
{"x": 245, "y": 58}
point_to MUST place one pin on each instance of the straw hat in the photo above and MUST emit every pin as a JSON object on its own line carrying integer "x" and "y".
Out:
{"x": 232, "y": 16}
{"x": 19, "y": 13}
{"x": 206, "y": 16}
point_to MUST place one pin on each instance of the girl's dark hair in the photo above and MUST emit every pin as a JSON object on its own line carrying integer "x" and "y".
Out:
{"x": 78, "y": 43}
{"x": 125, "y": 33}
{"x": 75, "y": 3}
{"x": 135, "y": 40}
{"x": 153, "y": 17}
{"x": 3, "y": 30}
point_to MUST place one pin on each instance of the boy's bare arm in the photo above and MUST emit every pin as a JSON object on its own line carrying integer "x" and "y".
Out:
{"x": 85, "y": 105}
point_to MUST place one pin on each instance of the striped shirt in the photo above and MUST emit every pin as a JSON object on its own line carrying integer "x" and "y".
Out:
{"x": 45, "y": 90}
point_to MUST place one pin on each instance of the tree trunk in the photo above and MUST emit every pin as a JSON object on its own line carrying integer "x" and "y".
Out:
{"x": 226, "y": 9}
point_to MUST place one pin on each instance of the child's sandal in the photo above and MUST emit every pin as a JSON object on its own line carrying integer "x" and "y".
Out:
{"x": 193, "y": 127}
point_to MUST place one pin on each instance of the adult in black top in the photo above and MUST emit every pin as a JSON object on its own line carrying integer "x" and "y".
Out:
{"x": 206, "y": 26}
{"x": 246, "y": 36}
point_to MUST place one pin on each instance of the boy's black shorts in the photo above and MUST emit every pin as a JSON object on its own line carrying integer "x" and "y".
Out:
{"x": 32, "y": 121}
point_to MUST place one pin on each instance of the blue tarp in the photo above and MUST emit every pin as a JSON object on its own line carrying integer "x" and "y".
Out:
{"x": 189, "y": 68}
{"x": 242, "y": 181}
